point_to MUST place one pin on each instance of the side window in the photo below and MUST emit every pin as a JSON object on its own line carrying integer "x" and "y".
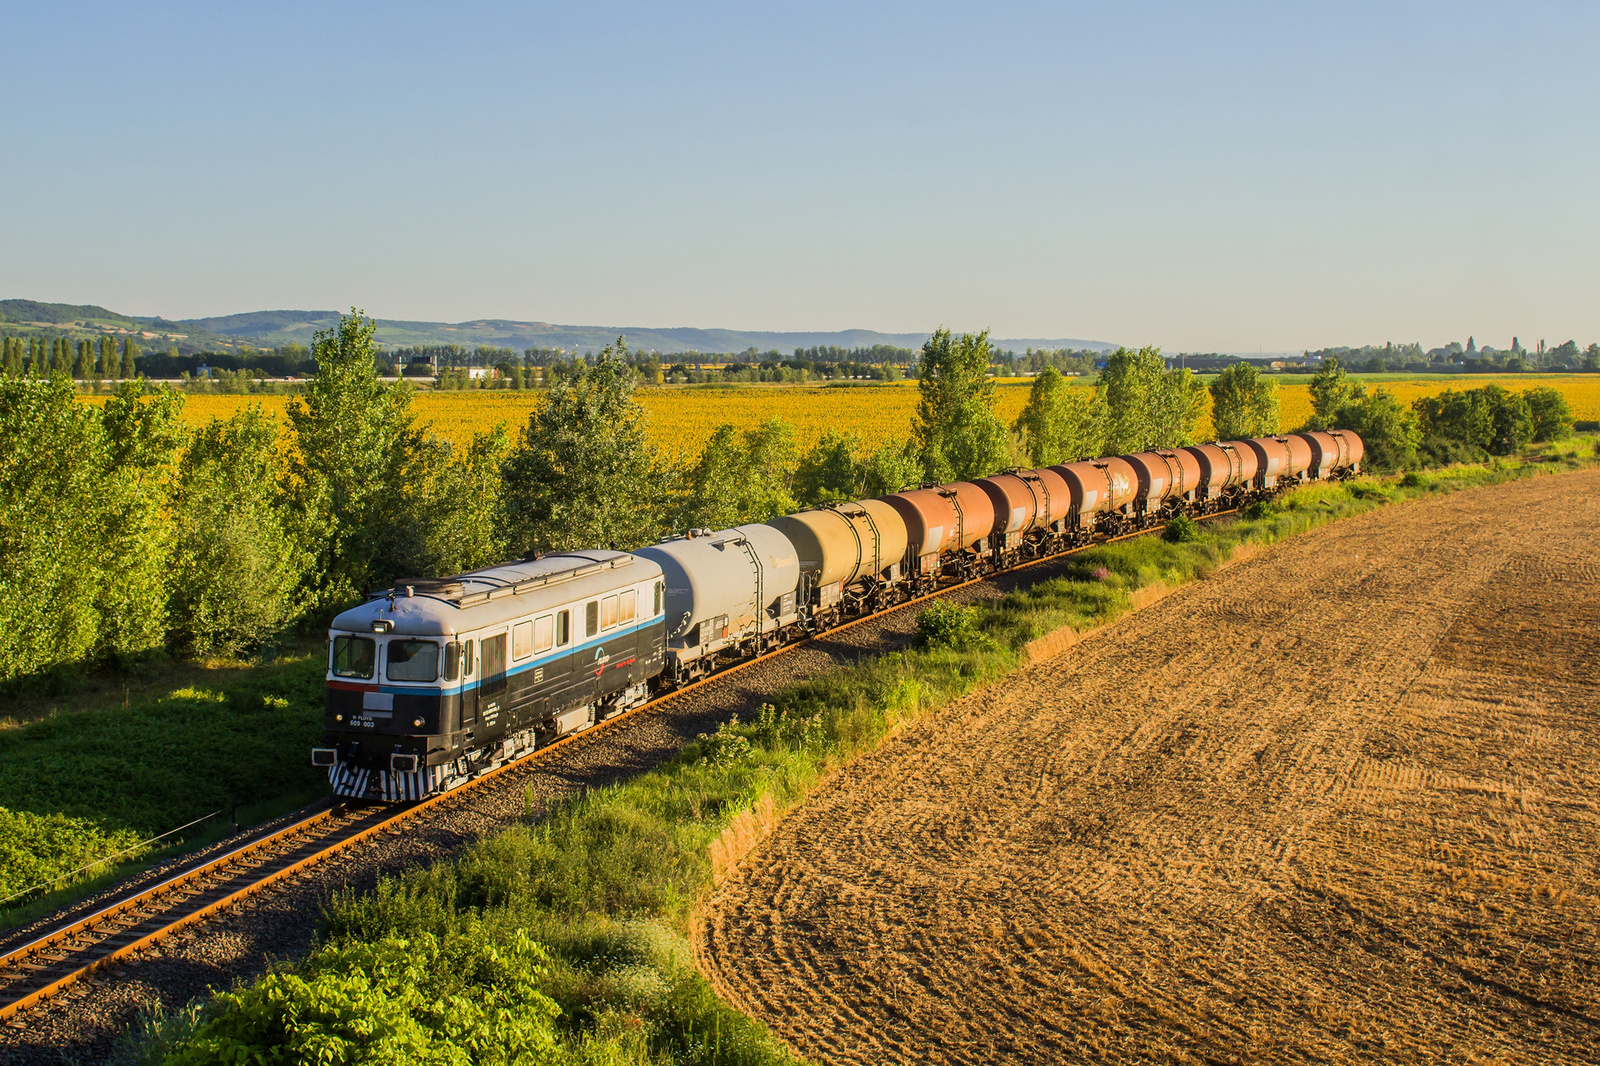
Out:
{"x": 658, "y": 600}
{"x": 544, "y": 633}
{"x": 626, "y": 605}
{"x": 466, "y": 658}
{"x": 452, "y": 661}
{"x": 563, "y": 627}
{"x": 591, "y": 618}
{"x": 608, "y": 612}
{"x": 522, "y": 640}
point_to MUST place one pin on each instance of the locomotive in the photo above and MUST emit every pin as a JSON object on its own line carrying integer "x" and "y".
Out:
{"x": 433, "y": 682}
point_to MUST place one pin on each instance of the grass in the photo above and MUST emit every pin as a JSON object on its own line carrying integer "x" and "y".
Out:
{"x": 608, "y": 884}
{"x": 78, "y": 785}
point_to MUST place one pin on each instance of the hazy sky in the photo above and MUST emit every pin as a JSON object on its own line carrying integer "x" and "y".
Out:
{"x": 1199, "y": 176}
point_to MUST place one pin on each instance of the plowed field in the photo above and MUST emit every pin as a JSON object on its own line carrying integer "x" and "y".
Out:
{"x": 1339, "y": 803}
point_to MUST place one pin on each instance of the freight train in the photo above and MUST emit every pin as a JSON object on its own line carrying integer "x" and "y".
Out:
{"x": 434, "y": 682}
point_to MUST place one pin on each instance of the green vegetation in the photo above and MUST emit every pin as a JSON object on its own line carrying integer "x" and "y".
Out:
{"x": 957, "y": 433}
{"x": 1244, "y": 404}
{"x": 78, "y": 786}
{"x": 1060, "y": 424}
{"x": 606, "y": 884}
{"x": 582, "y": 473}
{"x": 1147, "y": 405}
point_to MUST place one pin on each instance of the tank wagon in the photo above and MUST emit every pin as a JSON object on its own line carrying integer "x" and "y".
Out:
{"x": 433, "y": 682}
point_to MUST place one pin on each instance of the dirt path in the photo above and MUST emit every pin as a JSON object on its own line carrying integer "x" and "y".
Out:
{"x": 1340, "y": 803}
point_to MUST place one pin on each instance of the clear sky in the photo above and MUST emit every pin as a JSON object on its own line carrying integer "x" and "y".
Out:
{"x": 1203, "y": 176}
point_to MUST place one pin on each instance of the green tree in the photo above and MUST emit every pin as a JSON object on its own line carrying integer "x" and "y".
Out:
{"x": 743, "y": 477}
{"x": 1488, "y": 419}
{"x": 1331, "y": 390}
{"x": 130, "y": 356}
{"x": 831, "y": 471}
{"x": 892, "y": 467}
{"x": 52, "y": 470}
{"x": 144, "y": 439}
{"x": 1060, "y": 423}
{"x": 1148, "y": 406}
{"x": 236, "y": 565}
{"x": 957, "y": 432}
{"x": 1552, "y": 416}
{"x": 583, "y": 473}
{"x": 1389, "y": 431}
{"x": 84, "y": 369}
{"x": 354, "y": 436}
{"x": 441, "y": 515}
{"x": 1244, "y": 403}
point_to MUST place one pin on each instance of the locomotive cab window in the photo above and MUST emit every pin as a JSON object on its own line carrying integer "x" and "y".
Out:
{"x": 413, "y": 660}
{"x": 625, "y": 605}
{"x": 354, "y": 657}
{"x": 658, "y": 599}
{"x": 591, "y": 618}
{"x": 544, "y": 633}
{"x": 608, "y": 612}
{"x": 521, "y": 640}
{"x": 563, "y": 627}
{"x": 452, "y": 661}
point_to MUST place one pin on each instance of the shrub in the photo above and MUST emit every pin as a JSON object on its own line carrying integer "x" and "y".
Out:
{"x": 951, "y": 625}
{"x": 1260, "y": 510}
{"x": 458, "y": 998}
{"x": 1181, "y": 529}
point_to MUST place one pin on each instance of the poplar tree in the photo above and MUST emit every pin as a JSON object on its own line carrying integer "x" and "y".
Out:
{"x": 957, "y": 432}
{"x": 355, "y": 437}
{"x": 583, "y": 473}
{"x": 1147, "y": 405}
{"x": 1244, "y": 403}
{"x": 130, "y": 352}
{"x": 85, "y": 366}
{"x": 1060, "y": 423}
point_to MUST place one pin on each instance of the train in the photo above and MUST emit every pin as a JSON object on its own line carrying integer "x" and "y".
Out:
{"x": 432, "y": 683}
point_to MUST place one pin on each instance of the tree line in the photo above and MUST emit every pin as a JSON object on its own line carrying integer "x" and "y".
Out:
{"x": 124, "y": 534}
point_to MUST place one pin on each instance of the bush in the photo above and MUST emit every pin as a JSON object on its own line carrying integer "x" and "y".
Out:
{"x": 1552, "y": 416}
{"x": 1181, "y": 529}
{"x": 463, "y": 997}
{"x": 945, "y": 624}
{"x": 1259, "y": 510}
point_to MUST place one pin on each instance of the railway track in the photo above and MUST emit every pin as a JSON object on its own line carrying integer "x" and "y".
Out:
{"x": 41, "y": 971}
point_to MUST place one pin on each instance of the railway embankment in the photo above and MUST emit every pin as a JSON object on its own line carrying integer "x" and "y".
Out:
{"x": 608, "y": 884}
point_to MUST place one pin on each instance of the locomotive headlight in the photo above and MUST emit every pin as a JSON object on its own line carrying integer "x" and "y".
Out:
{"x": 338, "y": 718}
{"x": 417, "y": 722}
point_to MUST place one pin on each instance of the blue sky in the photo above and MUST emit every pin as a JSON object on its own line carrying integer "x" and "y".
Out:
{"x": 1199, "y": 176}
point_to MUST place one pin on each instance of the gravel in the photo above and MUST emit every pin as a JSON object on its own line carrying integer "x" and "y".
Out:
{"x": 278, "y": 924}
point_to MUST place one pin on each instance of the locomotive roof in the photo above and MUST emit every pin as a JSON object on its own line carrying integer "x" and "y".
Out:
{"x": 441, "y": 607}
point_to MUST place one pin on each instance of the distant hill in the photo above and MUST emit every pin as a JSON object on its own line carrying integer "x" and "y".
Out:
{"x": 269, "y": 329}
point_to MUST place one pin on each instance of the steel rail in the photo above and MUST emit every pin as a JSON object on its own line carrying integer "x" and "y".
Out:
{"x": 392, "y": 816}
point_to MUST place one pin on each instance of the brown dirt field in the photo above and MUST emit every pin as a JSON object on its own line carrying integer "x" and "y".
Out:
{"x": 1339, "y": 803}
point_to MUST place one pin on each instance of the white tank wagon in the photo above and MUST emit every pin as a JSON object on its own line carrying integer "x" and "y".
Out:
{"x": 433, "y": 682}
{"x": 732, "y": 591}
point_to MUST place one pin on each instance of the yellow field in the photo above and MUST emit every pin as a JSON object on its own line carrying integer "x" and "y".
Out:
{"x": 682, "y": 420}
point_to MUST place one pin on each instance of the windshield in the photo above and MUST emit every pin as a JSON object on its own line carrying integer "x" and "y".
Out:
{"x": 413, "y": 660}
{"x": 354, "y": 656}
